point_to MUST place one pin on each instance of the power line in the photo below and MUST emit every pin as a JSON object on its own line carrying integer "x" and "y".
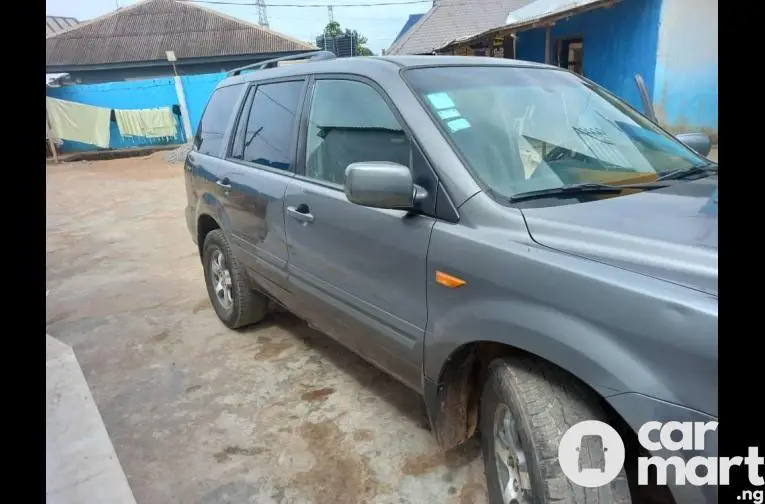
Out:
{"x": 324, "y": 6}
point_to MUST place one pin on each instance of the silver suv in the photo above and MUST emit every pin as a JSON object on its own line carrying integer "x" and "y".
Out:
{"x": 508, "y": 239}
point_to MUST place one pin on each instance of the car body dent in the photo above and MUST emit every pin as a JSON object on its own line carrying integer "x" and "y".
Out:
{"x": 615, "y": 329}
{"x": 665, "y": 233}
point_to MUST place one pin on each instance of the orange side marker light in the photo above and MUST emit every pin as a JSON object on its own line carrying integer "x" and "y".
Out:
{"x": 452, "y": 282}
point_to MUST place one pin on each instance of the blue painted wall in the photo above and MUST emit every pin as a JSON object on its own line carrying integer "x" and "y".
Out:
{"x": 685, "y": 90}
{"x": 619, "y": 42}
{"x": 140, "y": 94}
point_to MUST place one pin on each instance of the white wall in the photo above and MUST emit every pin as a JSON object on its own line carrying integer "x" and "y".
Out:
{"x": 685, "y": 81}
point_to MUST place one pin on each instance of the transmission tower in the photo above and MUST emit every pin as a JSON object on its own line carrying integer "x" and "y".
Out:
{"x": 331, "y": 13}
{"x": 262, "y": 14}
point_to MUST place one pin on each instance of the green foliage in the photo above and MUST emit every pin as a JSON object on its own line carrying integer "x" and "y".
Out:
{"x": 333, "y": 30}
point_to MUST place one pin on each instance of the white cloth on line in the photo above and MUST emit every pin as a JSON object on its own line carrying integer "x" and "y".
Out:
{"x": 151, "y": 123}
{"x": 78, "y": 122}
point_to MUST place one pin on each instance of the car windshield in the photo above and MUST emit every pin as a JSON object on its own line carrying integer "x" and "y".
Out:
{"x": 525, "y": 129}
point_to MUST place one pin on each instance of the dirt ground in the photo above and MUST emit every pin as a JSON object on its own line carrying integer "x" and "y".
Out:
{"x": 713, "y": 154}
{"x": 197, "y": 413}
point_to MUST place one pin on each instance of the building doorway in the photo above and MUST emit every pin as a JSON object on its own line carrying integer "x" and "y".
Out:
{"x": 569, "y": 53}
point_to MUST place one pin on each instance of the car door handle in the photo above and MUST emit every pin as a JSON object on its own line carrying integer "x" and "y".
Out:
{"x": 224, "y": 184}
{"x": 301, "y": 213}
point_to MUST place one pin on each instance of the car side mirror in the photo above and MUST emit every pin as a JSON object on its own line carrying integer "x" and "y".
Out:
{"x": 699, "y": 142}
{"x": 380, "y": 184}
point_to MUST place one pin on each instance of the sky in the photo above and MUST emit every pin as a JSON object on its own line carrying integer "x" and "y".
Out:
{"x": 380, "y": 23}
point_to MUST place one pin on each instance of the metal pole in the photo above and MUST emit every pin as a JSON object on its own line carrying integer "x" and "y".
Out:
{"x": 51, "y": 143}
{"x": 548, "y": 31}
{"x": 182, "y": 103}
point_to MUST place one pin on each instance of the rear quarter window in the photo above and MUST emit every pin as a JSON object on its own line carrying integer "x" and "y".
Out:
{"x": 217, "y": 115}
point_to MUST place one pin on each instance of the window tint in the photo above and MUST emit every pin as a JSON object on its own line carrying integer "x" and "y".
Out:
{"x": 268, "y": 135}
{"x": 350, "y": 122}
{"x": 237, "y": 149}
{"x": 218, "y": 112}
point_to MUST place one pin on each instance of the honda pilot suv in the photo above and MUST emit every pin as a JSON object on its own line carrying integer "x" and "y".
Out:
{"x": 508, "y": 239}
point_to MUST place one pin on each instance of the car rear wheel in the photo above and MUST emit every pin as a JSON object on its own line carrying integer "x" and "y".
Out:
{"x": 235, "y": 303}
{"x": 526, "y": 406}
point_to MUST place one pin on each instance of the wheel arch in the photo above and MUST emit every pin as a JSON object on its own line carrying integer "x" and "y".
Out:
{"x": 205, "y": 223}
{"x": 453, "y": 402}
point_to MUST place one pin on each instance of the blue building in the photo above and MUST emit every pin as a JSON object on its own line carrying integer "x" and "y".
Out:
{"x": 672, "y": 44}
{"x": 120, "y": 61}
{"x": 132, "y": 43}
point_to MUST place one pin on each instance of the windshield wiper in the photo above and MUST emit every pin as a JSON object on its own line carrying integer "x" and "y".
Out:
{"x": 580, "y": 188}
{"x": 705, "y": 168}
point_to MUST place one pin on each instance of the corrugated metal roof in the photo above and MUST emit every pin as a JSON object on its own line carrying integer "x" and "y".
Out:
{"x": 543, "y": 8}
{"x": 527, "y": 17}
{"x": 55, "y": 24}
{"x": 413, "y": 18}
{"x": 451, "y": 19}
{"x": 145, "y": 30}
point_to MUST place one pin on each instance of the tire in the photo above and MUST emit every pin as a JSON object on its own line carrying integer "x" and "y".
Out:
{"x": 543, "y": 402}
{"x": 246, "y": 306}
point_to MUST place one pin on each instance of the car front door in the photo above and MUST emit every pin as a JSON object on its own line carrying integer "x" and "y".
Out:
{"x": 261, "y": 162}
{"x": 360, "y": 273}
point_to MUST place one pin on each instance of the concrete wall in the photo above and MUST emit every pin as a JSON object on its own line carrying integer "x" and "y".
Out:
{"x": 140, "y": 94}
{"x": 619, "y": 42}
{"x": 685, "y": 82}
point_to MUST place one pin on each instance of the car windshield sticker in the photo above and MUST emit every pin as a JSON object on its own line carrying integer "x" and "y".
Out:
{"x": 458, "y": 124}
{"x": 440, "y": 101}
{"x": 448, "y": 114}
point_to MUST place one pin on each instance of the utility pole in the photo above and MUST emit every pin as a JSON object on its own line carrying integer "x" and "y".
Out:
{"x": 262, "y": 14}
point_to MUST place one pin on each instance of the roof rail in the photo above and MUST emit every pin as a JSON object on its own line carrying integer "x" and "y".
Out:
{"x": 310, "y": 56}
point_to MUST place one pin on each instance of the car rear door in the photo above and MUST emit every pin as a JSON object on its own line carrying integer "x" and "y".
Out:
{"x": 262, "y": 161}
{"x": 205, "y": 166}
{"x": 359, "y": 273}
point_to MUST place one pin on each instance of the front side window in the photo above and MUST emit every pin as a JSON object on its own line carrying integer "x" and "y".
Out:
{"x": 270, "y": 117}
{"x": 350, "y": 122}
{"x": 218, "y": 112}
{"x": 524, "y": 129}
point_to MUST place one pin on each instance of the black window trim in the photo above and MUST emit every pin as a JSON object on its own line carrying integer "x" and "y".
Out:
{"x": 227, "y": 132}
{"x": 414, "y": 144}
{"x": 252, "y": 86}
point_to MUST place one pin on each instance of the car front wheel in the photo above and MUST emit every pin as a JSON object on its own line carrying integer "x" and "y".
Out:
{"x": 526, "y": 407}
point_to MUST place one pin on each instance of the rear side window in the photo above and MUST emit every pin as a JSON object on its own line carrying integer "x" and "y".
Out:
{"x": 219, "y": 111}
{"x": 266, "y": 130}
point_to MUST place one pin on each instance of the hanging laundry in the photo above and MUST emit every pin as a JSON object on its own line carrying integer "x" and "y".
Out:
{"x": 151, "y": 123}
{"x": 78, "y": 122}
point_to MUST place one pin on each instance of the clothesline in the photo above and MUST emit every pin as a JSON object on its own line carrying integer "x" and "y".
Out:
{"x": 90, "y": 124}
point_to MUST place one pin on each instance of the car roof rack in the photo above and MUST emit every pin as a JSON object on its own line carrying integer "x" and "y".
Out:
{"x": 309, "y": 56}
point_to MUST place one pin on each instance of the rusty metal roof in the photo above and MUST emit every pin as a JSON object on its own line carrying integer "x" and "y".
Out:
{"x": 535, "y": 14}
{"x": 540, "y": 9}
{"x": 143, "y": 32}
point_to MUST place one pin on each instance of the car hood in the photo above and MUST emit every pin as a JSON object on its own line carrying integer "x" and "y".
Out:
{"x": 668, "y": 233}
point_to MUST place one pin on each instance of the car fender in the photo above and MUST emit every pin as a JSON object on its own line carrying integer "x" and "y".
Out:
{"x": 583, "y": 349}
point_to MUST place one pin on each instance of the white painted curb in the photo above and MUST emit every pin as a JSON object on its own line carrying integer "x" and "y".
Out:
{"x": 81, "y": 466}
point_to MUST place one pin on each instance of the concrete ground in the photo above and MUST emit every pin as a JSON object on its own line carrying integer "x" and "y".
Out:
{"x": 713, "y": 154}
{"x": 197, "y": 413}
